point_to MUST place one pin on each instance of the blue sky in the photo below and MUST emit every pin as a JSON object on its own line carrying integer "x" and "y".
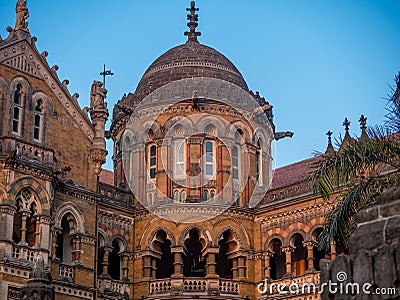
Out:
{"x": 316, "y": 62}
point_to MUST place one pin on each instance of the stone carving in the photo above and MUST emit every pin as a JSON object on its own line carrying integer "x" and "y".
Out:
{"x": 22, "y": 15}
{"x": 38, "y": 268}
{"x": 97, "y": 96}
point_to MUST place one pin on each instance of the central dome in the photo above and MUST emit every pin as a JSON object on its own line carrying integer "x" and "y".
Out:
{"x": 189, "y": 60}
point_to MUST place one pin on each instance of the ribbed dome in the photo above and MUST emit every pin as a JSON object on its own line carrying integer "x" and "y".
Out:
{"x": 186, "y": 61}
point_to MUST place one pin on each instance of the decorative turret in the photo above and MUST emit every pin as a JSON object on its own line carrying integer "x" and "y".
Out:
{"x": 99, "y": 115}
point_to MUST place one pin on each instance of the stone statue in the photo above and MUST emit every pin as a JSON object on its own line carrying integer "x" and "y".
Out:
{"x": 38, "y": 271}
{"x": 97, "y": 96}
{"x": 22, "y": 15}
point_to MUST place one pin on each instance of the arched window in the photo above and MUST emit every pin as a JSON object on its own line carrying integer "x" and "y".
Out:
{"x": 278, "y": 260}
{"x": 114, "y": 261}
{"x": 317, "y": 254}
{"x": 259, "y": 166}
{"x": 179, "y": 159}
{"x": 153, "y": 161}
{"x": 183, "y": 196}
{"x": 17, "y": 110}
{"x": 176, "y": 195}
{"x": 194, "y": 262}
{"x": 224, "y": 264}
{"x": 209, "y": 159}
{"x": 38, "y": 119}
{"x": 64, "y": 240}
{"x": 25, "y": 218}
{"x": 164, "y": 264}
{"x": 17, "y": 225}
{"x": 100, "y": 254}
{"x": 205, "y": 195}
{"x": 299, "y": 256}
{"x": 212, "y": 194}
{"x": 235, "y": 163}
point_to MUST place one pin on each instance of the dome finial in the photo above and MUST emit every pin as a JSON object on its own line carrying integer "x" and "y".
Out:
{"x": 193, "y": 18}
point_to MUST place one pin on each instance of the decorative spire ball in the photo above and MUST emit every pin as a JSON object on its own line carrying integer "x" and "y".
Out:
{"x": 193, "y": 19}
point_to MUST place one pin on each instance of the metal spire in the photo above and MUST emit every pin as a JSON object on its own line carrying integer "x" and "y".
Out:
{"x": 193, "y": 19}
{"x": 104, "y": 74}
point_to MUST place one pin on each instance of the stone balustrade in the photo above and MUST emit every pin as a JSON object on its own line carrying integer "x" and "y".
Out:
{"x": 27, "y": 151}
{"x": 66, "y": 272}
{"x": 25, "y": 253}
{"x": 110, "y": 287}
{"x": 194, "y": 286}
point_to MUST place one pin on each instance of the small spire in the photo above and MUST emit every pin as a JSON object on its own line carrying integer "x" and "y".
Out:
{"x": 22, "y": 14}
{"x": 347, "y": 138}
{"x": 329, "y": 149}
{"x": 193, "y": 18}
{"x": 363, "y": 126}
{"x": 346, "y": 125}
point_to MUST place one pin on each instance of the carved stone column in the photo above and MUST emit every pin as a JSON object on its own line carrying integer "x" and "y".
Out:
{"x": 25, "y": 215}
{"x": 235, "y": 270}
{"x": 43, "y": 232}
{"x": 55, "y": 231}
{"x": 211, "y": 261}
{"x": 241, "y": 267}
{"x": 267, "y": 264}
{"x": 105, "y": 263}
{"x": 178, "y": 261}
{"x": 99, "y": 115}
{"x": 147, "y": 267}
{"x": 154, "y": 267}
{"x": 125, "y": 268}
{"x": 76, "y": 250}
{"x": 288, "y": 253}
{"x": 310, "y": 255}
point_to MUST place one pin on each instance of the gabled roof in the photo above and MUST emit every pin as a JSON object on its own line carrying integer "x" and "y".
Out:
{"x": 19, "y": 52}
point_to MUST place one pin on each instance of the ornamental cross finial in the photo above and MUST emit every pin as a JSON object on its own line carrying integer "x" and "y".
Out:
{"x": 193, "y": 19}
{"x": 329, "y": 134}
{"x": 363, "y": 122}
{"x": 346, "y": 124}
{"x": 363, "y": 126}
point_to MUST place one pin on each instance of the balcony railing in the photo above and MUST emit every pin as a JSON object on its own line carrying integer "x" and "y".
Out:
{"x": 194, "y": 286}
{"x": 66, "y": 272}
{"x": 22, "y": 253}
{"x": 27, "y": 151}
{"x": 228, "y": 287}
{"x": 108, "y": 286}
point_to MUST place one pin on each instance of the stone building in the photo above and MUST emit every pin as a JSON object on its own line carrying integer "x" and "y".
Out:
{"x": 184, "y": 233}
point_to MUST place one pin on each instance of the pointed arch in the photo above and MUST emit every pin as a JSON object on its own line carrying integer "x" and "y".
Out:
{"x": 32, "y": 183}
{"x": 69, "y": 207}
{"x": 202, "y": 230}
